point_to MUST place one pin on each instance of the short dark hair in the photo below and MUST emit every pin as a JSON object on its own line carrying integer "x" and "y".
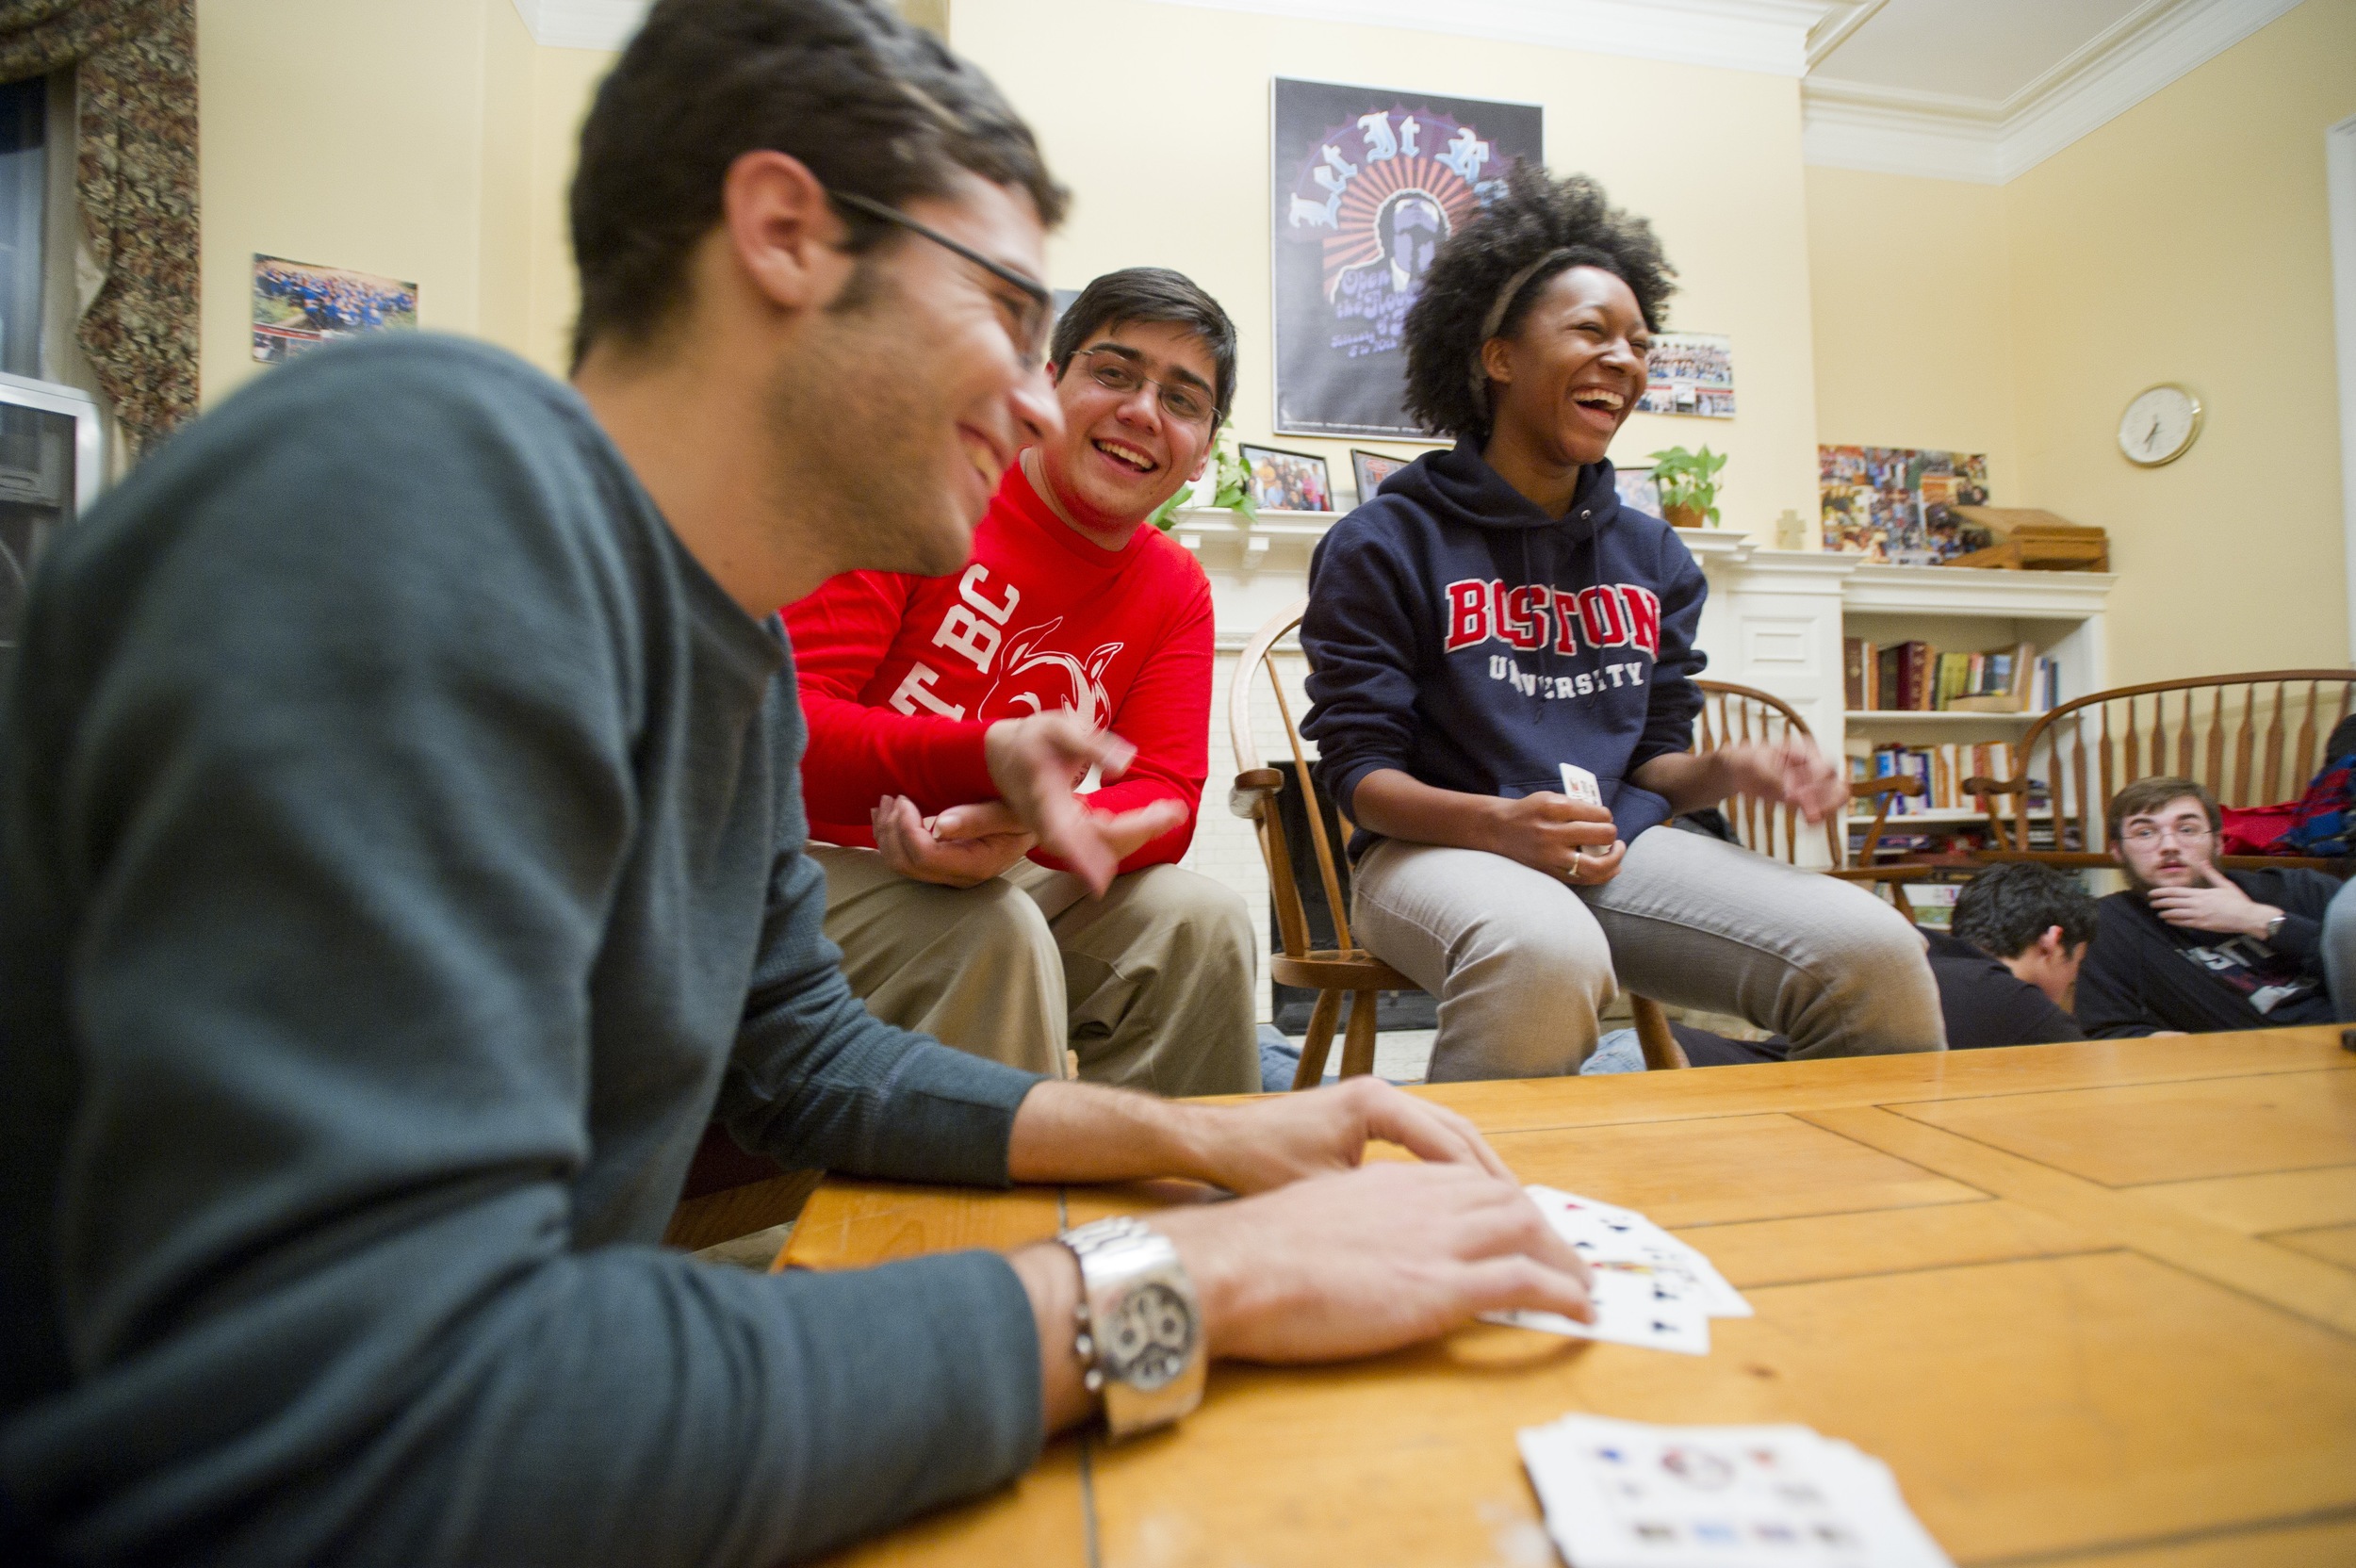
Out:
{"x": 2146, "y": 795}
{"x": 874, "y": 106}
{"x": 1151, "y": 294}
{"x": 2004, "y": 909}
{"x": 1551, "y": 224}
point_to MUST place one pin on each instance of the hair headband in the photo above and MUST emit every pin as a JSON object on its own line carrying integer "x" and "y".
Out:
{"x": 1496, "y": 318}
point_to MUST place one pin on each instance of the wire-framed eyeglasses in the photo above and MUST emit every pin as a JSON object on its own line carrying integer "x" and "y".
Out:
{"x": 1114, "y": 372}
{"x": 1029, "y": 329}
{"x": 2143, "y": 834}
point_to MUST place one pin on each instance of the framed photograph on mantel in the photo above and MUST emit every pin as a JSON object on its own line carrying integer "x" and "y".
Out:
{"x": 1367, "y": 182}
{"x": 1370, "y": 469}
{"x": 1288, "y": 481}
{"x": 1638, "y": 491}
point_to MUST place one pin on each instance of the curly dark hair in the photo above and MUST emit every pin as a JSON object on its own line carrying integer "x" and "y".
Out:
{"x": 1555, "y": 224}
{"x": 2004, "y": 909}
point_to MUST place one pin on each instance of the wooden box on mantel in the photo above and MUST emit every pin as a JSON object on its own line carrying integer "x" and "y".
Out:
{"x": 2032, "y": 540}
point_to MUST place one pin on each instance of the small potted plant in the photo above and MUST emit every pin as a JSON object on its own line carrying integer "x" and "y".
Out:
{"x": 1230, "y": 485}
{"x": 1688, "y": 482}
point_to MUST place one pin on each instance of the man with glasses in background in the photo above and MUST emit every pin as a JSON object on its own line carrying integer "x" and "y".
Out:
{"x": 2191, "y": 948}
{"x": 953, "y": 920}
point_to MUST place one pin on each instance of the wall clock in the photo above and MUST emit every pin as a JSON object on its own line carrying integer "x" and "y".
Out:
{"x": 2160, "y": 425}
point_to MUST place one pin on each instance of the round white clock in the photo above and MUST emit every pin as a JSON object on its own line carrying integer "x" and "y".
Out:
{"x": 2159, "y": 425}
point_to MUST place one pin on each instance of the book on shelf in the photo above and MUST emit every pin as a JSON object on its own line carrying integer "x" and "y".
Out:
{"x": 1942, "y": 770}
{"x": 1915, "y": 677}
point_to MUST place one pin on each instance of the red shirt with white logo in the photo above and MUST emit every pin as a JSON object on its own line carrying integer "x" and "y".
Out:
{"x": 901, "y": 675}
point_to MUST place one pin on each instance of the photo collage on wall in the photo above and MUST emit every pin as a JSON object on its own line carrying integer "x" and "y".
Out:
{"x": 1367, "y": 182}
{"x": 1894, "y": 503}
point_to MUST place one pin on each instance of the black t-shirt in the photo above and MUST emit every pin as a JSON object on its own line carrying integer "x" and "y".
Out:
{"x": 1984, "y": 1003}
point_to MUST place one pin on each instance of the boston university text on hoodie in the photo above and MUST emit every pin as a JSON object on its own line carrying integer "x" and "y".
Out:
{"x": 1459, "y": 634}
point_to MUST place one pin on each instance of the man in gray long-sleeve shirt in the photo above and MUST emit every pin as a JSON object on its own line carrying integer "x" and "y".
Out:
{"x": 401, "y": 861}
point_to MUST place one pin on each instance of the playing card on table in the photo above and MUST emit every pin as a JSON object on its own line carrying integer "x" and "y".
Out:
{"x": 1602, "y": 1233}
{"x": 1634, "y": 1305}
{"x": 1579, "y": 784}
{"x": 1629, "y": 1494}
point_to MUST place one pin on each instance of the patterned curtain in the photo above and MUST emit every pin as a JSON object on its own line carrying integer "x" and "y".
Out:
{"x": 136, "y": 63}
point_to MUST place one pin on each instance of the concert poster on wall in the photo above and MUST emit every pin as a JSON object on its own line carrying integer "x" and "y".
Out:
{"x": 1368, "y": 181}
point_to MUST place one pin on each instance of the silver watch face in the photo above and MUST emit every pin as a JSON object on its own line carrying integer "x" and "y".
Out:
{"x": 1149, "y": 1338}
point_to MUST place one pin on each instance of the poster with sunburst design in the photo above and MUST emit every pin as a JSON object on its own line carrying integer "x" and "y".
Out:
{"x": 1368, "y": 181}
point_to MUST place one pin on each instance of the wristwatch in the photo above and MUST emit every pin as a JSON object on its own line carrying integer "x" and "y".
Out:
{"x": 1140, "y": 1325}
{"x": 2274, "y": 928}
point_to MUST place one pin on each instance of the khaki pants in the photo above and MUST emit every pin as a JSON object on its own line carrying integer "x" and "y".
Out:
{"x": 1522, "y": 962}
{"x": 1150, "y": 985}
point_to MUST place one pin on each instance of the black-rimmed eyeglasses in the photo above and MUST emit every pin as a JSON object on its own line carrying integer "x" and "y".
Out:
{"x": 1030, "y": 319}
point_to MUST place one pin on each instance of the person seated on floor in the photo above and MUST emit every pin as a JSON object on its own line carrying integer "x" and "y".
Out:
{"x": 2007, "y": 964}
{"x": 2190, "y": 949}
{"x": 1495, "y": 613}
{"x": 400, "y": 780}
{"x": 2004, "y": 970}
{"x": 952, "y": 920}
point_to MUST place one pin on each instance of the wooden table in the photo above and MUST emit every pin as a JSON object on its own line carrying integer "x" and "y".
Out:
{"x": 2093, "y": 1303}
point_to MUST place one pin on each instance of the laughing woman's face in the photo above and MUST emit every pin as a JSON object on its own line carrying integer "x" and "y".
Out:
{"x": 1568, "y": 379}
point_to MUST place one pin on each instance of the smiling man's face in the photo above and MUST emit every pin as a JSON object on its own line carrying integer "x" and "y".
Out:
{"x": 1123, "y": 452}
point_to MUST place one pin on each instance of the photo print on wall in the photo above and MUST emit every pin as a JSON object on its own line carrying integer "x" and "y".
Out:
{"x": 1893, "y": 503}
{"x": 1367, "y": 182}
{"x": 298, "y": 306}
{"x": 1690, "y": 372}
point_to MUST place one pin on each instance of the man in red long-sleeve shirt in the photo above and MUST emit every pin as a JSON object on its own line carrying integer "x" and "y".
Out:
{"x": 950, "y": 920}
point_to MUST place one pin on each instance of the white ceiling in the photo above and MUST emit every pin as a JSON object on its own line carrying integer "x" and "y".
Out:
{"x": 1987, "y": 49}
{"x": 1985, "y": 89}
{"x": 1963, "y": 90}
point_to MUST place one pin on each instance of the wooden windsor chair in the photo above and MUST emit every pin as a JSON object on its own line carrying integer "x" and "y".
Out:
{"x": 1731, "y": 713}
{"x": 1344, "y": 968}
{"x": 2255, "y": 746}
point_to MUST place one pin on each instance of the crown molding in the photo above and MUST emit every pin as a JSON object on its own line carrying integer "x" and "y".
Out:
{"x": 1765, "y": 36}
{"x": 1989, "y": 141}
{"x": 582, "y": 24}
{"x": 1768, "y": 36}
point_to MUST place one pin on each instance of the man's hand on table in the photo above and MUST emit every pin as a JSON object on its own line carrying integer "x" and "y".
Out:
{"x": 1333, "y": 1268}
{"x": 1069, "y": 1132}
{"x": 1328, "y": 1260}
{"x": 1266, "y": 1143}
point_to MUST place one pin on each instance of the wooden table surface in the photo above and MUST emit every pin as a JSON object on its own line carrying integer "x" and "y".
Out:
{"x": 2093, "y": 1303}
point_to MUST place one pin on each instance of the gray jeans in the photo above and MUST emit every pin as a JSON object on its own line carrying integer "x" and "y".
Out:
{"x": 1523, "y": 962}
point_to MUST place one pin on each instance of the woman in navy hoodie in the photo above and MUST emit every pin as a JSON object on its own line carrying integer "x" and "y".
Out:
{"x": 1494, "y": 613}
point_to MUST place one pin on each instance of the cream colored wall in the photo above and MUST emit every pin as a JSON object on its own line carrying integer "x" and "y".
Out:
{"x": 1157, "y": 117}
{"x": 344, "y": 136}
{"x": 510, "y": 192}
{"x": 565, "y": 83}
{"x": 2183, "y": 241}
{"x": 1911, "y": 307}
{"x": 2186, "y": 242}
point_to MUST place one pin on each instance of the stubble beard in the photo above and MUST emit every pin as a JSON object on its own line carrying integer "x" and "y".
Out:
{"x": 858, "y": 449}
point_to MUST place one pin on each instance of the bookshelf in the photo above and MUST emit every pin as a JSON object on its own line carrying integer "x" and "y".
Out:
{"x": 2060, "y": 615}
